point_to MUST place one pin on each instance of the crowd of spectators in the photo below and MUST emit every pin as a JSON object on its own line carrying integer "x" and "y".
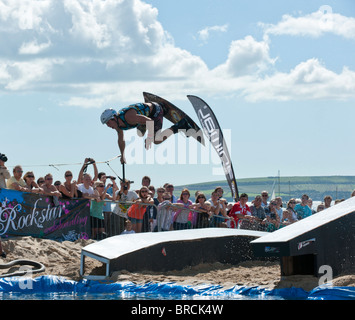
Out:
{"x": 150, "y": 209}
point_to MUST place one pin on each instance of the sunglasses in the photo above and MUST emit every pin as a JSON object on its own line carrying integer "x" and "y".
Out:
{"x": 30, "y": 176}
{"x": 68, "y": 175}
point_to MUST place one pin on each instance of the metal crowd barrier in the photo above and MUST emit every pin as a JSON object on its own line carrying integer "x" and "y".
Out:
{"x": 151, "y": 218}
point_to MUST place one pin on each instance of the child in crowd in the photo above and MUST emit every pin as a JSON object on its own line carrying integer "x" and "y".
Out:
{"x": 128, "y": 227}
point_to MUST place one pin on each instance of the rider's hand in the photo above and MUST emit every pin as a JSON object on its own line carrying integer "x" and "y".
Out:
{"x": 148, "y": 142}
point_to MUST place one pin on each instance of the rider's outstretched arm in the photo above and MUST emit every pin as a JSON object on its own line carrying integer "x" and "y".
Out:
{"x": 121, "y": 145}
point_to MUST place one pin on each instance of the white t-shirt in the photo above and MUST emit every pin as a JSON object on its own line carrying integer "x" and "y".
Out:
{"x": 121, "y": 208}
{"x": 82, "y": 188}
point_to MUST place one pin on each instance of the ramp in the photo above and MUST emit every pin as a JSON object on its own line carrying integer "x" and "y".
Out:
{"x": 326, "y": 238}
{"x": 171, "y": 250}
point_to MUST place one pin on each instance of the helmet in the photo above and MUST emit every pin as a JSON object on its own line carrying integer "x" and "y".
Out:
{"x": 107, "y": 115}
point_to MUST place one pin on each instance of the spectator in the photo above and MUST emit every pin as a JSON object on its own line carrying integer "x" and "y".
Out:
{"x": 218, "y": 209}
{"x": 16, "y": 182}
{"x": 103, "y": 177}
{"x": 137, "y": 210}
{"x": 181, "y": 217}
{"x": 109, "y": 207}
{"x": 258, "y": 212}
{"x": 327, "y": 201}
{"x": 85, "y": 189}
{"x": 338, "y": 201}
{"x": 240, "y": 211}
{"x": 320, "y": 207}
{"x": 31, "y": 185}
{"x": 289, "y": 215}
{"x": 68, "y": 189}
{"x": 170, "y": 188}
{"x": 204, "y": 213}
{"x": 146, "y": 181}
{"x": 4, "y": 172}
{"x": 57, "y": 184}
{"x": 125, "y": 196}
{"x": 272, "y": 217}
{"x": 165, "y": 214}
{"x": 48, "y": 188}
{"x": 96, "y": 210}
{"x": 128, "y": 227}
{"x": 84, "y": 168}
{"x": 264, "y": 197}
{"x": 40, "y": 182}
{"x": 302, "y": 209}
{"x": 310, "y": 205}
{"x": 159, "y": 199}
{"x": 151, "y": 215}
{"x": 219, "y": 191}
{"x": 278, "y": 208}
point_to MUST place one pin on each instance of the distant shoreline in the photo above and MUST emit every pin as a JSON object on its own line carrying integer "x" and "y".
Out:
{"x": 317, "y": 187}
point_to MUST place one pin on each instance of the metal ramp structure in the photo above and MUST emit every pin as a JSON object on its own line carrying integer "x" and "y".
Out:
{"x": 326, "y": 238}
{"x": 171, "y": 250}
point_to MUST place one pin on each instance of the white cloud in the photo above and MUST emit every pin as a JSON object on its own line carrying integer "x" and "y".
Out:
{"x": 104, "y": 51}
{"x": 204, "y": 34}
{"x": 315, "y": 24}
{"x": 33, "y": 47}
{"x": 246, "y": 56}
{"x": 308, "y": 80}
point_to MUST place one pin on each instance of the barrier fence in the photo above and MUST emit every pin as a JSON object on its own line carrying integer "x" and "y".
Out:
{"x": 151, "y": 218}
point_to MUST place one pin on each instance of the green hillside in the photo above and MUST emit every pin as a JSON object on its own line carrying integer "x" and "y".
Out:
{"x": 338, "y": 187}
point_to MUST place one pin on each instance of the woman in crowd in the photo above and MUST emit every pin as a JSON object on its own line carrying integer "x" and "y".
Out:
{"x": 137, "y": 210}
{"x": 181, "y": 217}
{"x": 204, "y": 211}
{"x": 31, "y": 184}
{"x": 289, "y": 215}
{"x": 68, "y": 189}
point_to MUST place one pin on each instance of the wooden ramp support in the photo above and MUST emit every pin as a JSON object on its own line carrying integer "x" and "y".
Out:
{"x": 326, "y": 238}
{"x": 172, "y": 250}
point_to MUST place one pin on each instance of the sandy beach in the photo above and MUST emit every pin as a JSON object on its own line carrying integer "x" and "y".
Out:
{"x": 63, "y": 259}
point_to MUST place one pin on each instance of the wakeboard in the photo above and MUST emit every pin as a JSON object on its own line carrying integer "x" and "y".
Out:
{"x": 173, "y": 114}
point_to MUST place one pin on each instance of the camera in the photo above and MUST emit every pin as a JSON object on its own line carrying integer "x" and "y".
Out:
{"x": 3, "y": 157}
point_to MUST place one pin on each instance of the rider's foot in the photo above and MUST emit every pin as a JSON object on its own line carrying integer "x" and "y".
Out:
{"x": 183, "y": 124}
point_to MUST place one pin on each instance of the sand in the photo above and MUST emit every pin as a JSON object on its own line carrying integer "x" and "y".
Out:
{"x": 63, "y": 259}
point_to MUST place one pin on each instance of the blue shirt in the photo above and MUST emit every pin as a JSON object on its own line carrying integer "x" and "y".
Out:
{"x": 303, "y": 212}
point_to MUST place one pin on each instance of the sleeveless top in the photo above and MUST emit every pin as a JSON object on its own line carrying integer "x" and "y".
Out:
{"x": 140, "y": 108}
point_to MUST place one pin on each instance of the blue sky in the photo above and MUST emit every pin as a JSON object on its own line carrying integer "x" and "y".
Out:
{"x": 279, "y": 75}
